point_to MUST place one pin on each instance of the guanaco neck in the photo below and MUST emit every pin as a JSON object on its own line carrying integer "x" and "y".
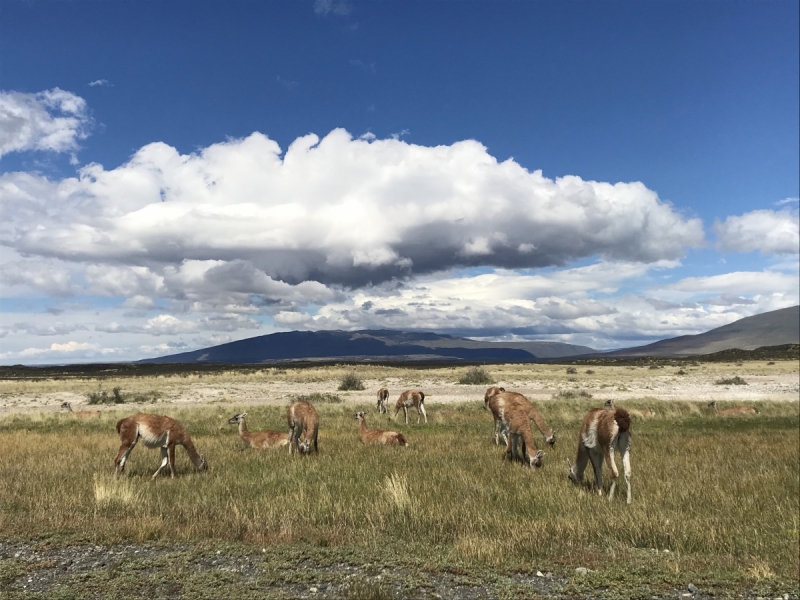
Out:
{"x": 243, "y": 431}
{"x": 363, "y": 427}
{"x": 194, "y": 455}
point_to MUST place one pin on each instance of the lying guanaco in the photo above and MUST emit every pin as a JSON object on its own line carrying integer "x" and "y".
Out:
{"x": 156, "y": 431}
{"x": 734, "y": 410}
{"x": 258, "y": 439}
{"x": 81, "y": 414}
{"x": 377, "y": 436}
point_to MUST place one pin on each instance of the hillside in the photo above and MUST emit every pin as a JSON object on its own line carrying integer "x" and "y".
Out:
{"x": 377, "y": 345}
{"x": 774, "y": 328}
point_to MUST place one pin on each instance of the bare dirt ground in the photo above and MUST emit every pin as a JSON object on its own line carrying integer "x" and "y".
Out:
{"x": 779, "y": 381}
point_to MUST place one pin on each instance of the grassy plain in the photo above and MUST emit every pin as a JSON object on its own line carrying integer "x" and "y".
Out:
{"x": 721, "y": 495}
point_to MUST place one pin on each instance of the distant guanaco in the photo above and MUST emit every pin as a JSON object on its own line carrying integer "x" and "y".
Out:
{"x": 603, "y": 431}
{"x": 157, "y": 431}
{"x": 408, "y": 399}
{"x": 377, "y": 436}
{"x": 81, "y": 414}
{"x": 383, "y": 397}
{"x": 735, "y": 410}
{"x": 302, "y": 418}
{"x": 497, "y": 400}
{"x": 258, "y": 439}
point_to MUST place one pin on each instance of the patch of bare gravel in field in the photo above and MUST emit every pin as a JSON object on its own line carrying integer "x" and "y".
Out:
{"x": 777, "y": 382}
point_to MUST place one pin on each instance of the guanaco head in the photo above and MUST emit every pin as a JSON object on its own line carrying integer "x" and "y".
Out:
{"x": 236, "y": 419}
{"x": 304, "y": 447}
{"x": 66, "y": 406}
{"x": 572, "y": 476}
{"x": 609, "y": 404}
{"x": 359, "y": 415}
{"x": 202, "y": 465}
{"x": 536, "y": 461}
{"x": 712, "y": 404}
{"x": 551, "y": 439}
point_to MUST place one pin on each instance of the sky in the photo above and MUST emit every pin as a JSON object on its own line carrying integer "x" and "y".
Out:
{"x": 176, "y": 175}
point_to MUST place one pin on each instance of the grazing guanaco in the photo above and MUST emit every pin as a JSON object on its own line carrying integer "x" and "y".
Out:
{"x": 499, "y": 401}
{"x": 302, "y": 418}
{"x": 377, "y": 436}
{"x": 520, "y": 438}
{"x": 81, "y": 414}
{"x": 408, "y": 399}
{"x": 383, "y": 397}
{"x": 157, "y": 431}
{"x": 258, "y": 439}
{"x": 602, "y": 432}
{"x": 734, "y": 410}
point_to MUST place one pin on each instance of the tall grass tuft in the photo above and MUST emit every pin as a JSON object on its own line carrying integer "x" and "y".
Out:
{"x": 476, "y": 376}
{"x": 316, "y": 398}
{"x": 571, "y": 395}
{"x": 350, "y": 381}
{"x": 395, "y": 488}
{"x": 110, "y": 490}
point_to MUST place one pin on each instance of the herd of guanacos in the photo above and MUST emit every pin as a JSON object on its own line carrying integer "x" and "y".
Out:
{"x": 603, "y": 431}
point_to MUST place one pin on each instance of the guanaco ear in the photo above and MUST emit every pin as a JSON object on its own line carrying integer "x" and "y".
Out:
{"x": 243, "y": 415}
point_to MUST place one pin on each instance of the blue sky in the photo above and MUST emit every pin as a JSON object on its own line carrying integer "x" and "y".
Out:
{"x": 150, "y": 201}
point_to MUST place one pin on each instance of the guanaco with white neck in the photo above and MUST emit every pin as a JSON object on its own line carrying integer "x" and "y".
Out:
{"x": 80, "y": 414}
{"x": 383, "y": 398}
{"x": 258, "y": 439}
{"x": 302, "y": 418}
{"x": 156, "y": 431}
{"x": 498, "y": 401}
{"x": 378, "y": 436}
{"x": 734, "y": 410}
{"x": 409, "y": 399}
{"x": 602, "y": 432}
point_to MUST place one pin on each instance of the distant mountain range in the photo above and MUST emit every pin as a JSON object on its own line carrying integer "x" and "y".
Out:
{"x": 378, "y": 345}
{"x": 774, "y": 328}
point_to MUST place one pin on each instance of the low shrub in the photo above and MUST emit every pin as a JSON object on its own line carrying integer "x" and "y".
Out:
{"x": 572, "y": 371}
{"x": 571, "y": 395}
{"x": 350, "y": 381}
{"x": 102, "y": 397}
{"x": 589, "y": 372}
{"x": 476, "y": 376}
{"x": 316, "y": 398}
{"x": 735, "y": 381}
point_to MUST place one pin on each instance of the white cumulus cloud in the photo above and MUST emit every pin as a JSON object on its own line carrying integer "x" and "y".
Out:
{"x": 336, "y": 211}
{"x": 768, "y": 231}
{"x": 53, "y": 120}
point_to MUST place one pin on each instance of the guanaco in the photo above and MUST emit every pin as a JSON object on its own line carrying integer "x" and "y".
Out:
{"x": 81, "y": 414}
{"x": 157, "y": 431}
{"x": 602, "y": 432}
{"x": 258, "y": 439}
{"x": 520, "y": 438}
{"x": 408, "y": 399}
{"x": 383, "y": 397}
{"x": 302, "y": 418}
{"x": 377, "y": 436}
{"x": 498, "y": 401}
{"x": 734, "y": 410}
